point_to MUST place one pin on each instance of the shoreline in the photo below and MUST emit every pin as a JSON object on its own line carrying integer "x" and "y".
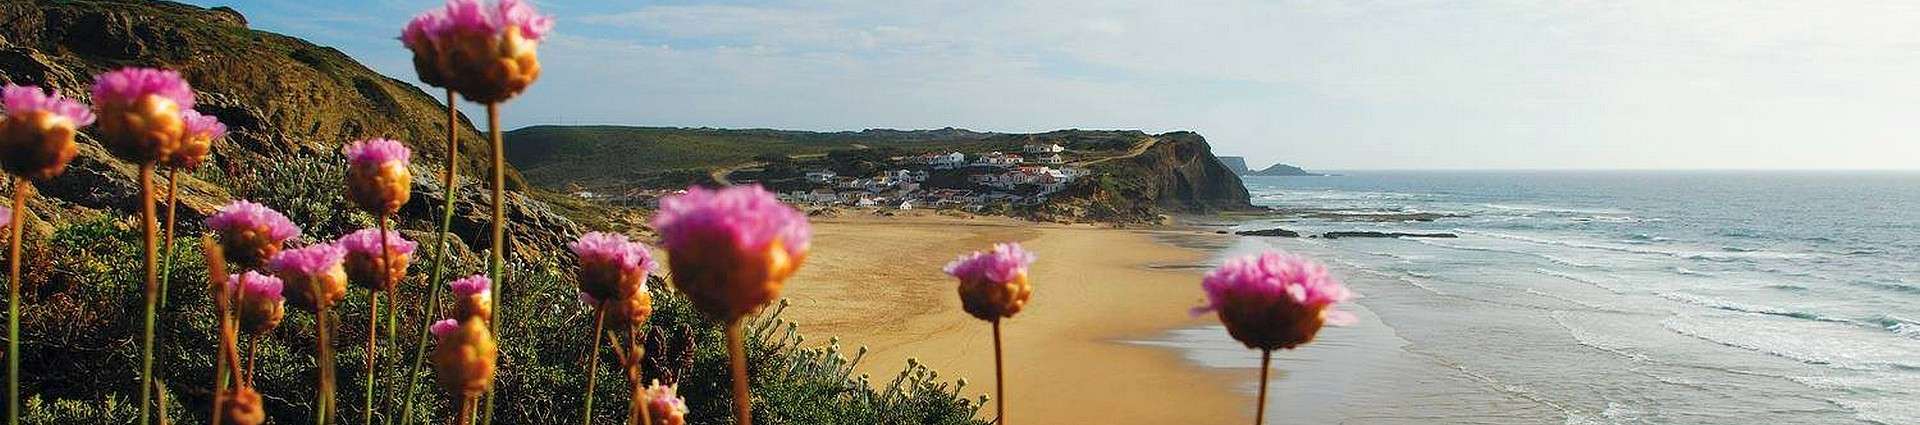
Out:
{"x": 1098, "y": 292}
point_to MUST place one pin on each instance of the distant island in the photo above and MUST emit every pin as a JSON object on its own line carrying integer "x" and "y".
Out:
{"x": 1239, "y": 166}
{"x": 1280, "y": 170}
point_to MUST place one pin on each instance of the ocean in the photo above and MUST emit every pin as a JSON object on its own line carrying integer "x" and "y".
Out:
{"x": 1615, "y": 297}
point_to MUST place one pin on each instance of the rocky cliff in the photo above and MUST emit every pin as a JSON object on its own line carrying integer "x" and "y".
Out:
{"x": 1237, "y": 164}
{"x": 289, "y": 106}
{"x": 1171, "y": 173}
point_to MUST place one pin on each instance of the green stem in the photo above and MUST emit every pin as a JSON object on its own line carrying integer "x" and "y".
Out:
{"x": 173, "y": 202}
{"x": 373, "y": 317}
{"x": 20, "y": 186}
{"x": 151, "y": 242}
{"x": 496, "y": 261}
{"x": 439, "y": 264}
{"x": 593, "y": 364}
{"x": 324, "y": 351}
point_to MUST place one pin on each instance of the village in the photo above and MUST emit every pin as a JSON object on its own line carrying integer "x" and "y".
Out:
{"x": 945, "y": 180}
{"x": 973, "y": 182}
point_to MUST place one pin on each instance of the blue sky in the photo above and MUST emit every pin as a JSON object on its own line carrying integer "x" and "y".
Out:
{"x": 1327, "y": 84}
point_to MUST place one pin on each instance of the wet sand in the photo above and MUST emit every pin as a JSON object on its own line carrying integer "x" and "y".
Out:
{"x": 876, "y": 281}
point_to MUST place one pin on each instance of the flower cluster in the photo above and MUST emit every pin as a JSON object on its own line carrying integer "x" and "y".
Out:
{"x": 613, "y": 276}
{"x": 6, "y": 218}
{"x": 374, "y": 262}
{"x": 1274, "y": 300}
{"x": 251, "y": 233}
{"x": 378, "y": 180}
{"x": 142, "y": 112}
{"x": 487, "y": 53}
{"x": 993, "y": 283}
{"x": 731, "y": 249}
{"x": 314, "y": 274}
{"x": 36, "y": 134}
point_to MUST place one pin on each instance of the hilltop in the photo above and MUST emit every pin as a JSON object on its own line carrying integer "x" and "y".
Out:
{"x": 289, "y": 106}
{"x": 1068, "y": 175}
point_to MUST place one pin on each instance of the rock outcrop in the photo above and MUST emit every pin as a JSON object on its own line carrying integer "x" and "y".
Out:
{"x": 1372, "y": 234}
{"x": 1234, "y": 163}
{"x": 1269, "y": 232}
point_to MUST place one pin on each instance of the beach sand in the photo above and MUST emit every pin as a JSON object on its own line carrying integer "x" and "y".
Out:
{"x": 877, "y": 282}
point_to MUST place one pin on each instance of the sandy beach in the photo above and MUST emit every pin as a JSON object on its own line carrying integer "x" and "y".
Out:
{"x": 876, "y": 281}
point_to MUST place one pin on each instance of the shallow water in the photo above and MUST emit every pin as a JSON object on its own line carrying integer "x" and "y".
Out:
{"x": 1605, "y": 298}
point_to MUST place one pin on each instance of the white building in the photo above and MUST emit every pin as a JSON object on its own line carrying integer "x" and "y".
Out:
{"x": 1043, "y": 148}
{"x": 998, "y": 159}
{"x": 821, "y": 177}
{"x": 949, "y": 160}
{"x": 1050, "y": 159}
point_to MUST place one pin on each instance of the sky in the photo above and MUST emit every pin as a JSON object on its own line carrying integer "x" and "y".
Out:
{"x": 1323, "y": 84}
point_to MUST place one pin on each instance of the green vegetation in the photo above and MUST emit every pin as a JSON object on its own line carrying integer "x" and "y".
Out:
{"x": 79, "y": 326}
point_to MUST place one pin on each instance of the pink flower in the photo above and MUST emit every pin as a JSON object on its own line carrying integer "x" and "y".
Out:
{"x": 6, "y": 218}
{"x": 731, "y": 249}
{"x": 614, "y": 249}
{"x": 22, "y": 100}
{"x": 472, "y": 17}
{"x": 257, "y": 286}
{"x": 1001, "y": 265}
{"x": 748, "y": 217}
{"x": 126, "y": 86}
{"x": 471, "y": 285}
{"x": 1274, "y": 300}
{"x": 444, "y": 327}
{"x": 367, "y": 241}
{"x": 424, "y": 29}
{"x": 665, "y": 405}
{"x": 611, "y": 266}
{"x": 374, "y": 153}
{"x": 309, "y": 261}
{"x": 203, "y": 126}
{"x": 242, "y": 216}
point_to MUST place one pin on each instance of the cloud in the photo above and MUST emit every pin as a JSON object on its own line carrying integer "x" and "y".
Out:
{"x": 1325, "y": 83}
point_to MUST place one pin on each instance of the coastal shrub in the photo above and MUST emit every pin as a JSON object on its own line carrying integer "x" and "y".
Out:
{"x": 82, "y": 314}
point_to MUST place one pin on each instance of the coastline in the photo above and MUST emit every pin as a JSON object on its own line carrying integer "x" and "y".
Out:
{"x": 1099, "y": 292}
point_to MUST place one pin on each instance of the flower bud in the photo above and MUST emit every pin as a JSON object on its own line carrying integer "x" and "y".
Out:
{"x": 141, "y": 112}
{"x": 378, "y": 180}
{"x": 610, "y": 265}
{"x": 313, "y": 276}
{"x": 1274, "y": 300}
{"x": 251, "y": 233}
{"x": 489, "y": 52}
{"x": 665, "y": 406}
{"x": 731, "y": 249}
{"x": 368, "y": 268}
{"x": 242, "y": 405}
{"x": 260, "y": 305}
{"x": 473, "y": 298}
{"x": 422, "y": 36}
{"x": 464, "y": 357}
{"x": 993, "y": 284}
{"x": 197, "y": 142}
{"x": 36, "y": 134}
